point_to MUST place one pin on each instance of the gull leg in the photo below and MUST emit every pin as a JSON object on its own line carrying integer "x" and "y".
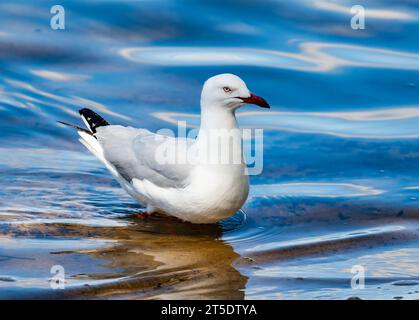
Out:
{"x": 147, "y": 213}
{"x": 143, "y": 215}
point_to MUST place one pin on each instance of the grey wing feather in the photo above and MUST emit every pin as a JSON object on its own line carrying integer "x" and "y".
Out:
{"x": 135, "y": 154}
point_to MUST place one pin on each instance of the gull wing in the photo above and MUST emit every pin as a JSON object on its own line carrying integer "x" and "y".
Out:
{"x": 141, "y": 154}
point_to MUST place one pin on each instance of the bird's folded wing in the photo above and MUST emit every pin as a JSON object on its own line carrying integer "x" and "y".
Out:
{"x": 141, "y": 154}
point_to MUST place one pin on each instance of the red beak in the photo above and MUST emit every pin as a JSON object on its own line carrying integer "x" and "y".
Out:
{"x": 254, "y": 99}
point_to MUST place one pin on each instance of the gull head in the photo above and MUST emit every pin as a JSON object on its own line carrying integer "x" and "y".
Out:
{"x": 227, "y": 91}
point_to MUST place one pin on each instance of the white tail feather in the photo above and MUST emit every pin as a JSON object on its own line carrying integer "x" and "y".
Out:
{"x": 96, "y": 149}
{"x": 94, "y": 145}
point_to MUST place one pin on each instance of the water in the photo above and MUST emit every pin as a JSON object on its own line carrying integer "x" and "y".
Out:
{"x": 340, "y": 185}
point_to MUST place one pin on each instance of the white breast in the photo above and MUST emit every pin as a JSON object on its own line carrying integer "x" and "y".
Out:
{"x": 213, "y": 194}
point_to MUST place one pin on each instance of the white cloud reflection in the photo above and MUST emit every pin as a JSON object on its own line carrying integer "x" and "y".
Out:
{"x": 384, "y": 123}
{"x": 377, "y": 13}
{"x": 313, "y": 189}
{"x": 55, "y": 100}
{"x": 313, "y": 57}
{"x": 239, "y": 28}
{"x": 59, "y": 76}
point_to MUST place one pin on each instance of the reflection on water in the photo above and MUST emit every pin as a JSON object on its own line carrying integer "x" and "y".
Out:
{"x": 371, "y": 13}
{"x": 157, "y": 258}
{"x": 389, "y": 123}
{"x": 340, "y": 180}
{"x": 322, "y": 190}
{"x": 314, "y": 57}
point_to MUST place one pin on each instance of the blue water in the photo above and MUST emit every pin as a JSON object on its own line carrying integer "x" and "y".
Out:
{"x": 340, "y": 182}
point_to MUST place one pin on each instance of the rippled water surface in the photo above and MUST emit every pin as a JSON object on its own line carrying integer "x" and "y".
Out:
{"x": 340, "y": 185}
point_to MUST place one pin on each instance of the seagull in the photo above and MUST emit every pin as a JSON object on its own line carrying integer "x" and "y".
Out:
{"x": 195, "y": 188}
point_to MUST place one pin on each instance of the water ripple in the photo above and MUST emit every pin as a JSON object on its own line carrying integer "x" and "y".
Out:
{"x": 364, "y": 124}
{"x": 313, "y": 189}
{"x": 370, "y": 13}
{"x": 314, "y": 57}
{"x": 310, "y": 241}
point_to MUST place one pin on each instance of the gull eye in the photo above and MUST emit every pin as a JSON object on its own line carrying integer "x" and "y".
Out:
{"x": 227, "y": 89}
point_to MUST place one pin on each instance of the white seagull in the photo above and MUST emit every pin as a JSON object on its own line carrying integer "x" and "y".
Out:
{"x": 199, "y": 191}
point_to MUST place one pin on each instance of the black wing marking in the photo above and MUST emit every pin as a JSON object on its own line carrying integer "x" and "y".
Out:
{"x": 92, "y": 119}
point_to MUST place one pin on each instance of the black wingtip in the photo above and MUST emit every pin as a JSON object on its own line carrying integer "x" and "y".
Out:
{"x": 92, "y": 119}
